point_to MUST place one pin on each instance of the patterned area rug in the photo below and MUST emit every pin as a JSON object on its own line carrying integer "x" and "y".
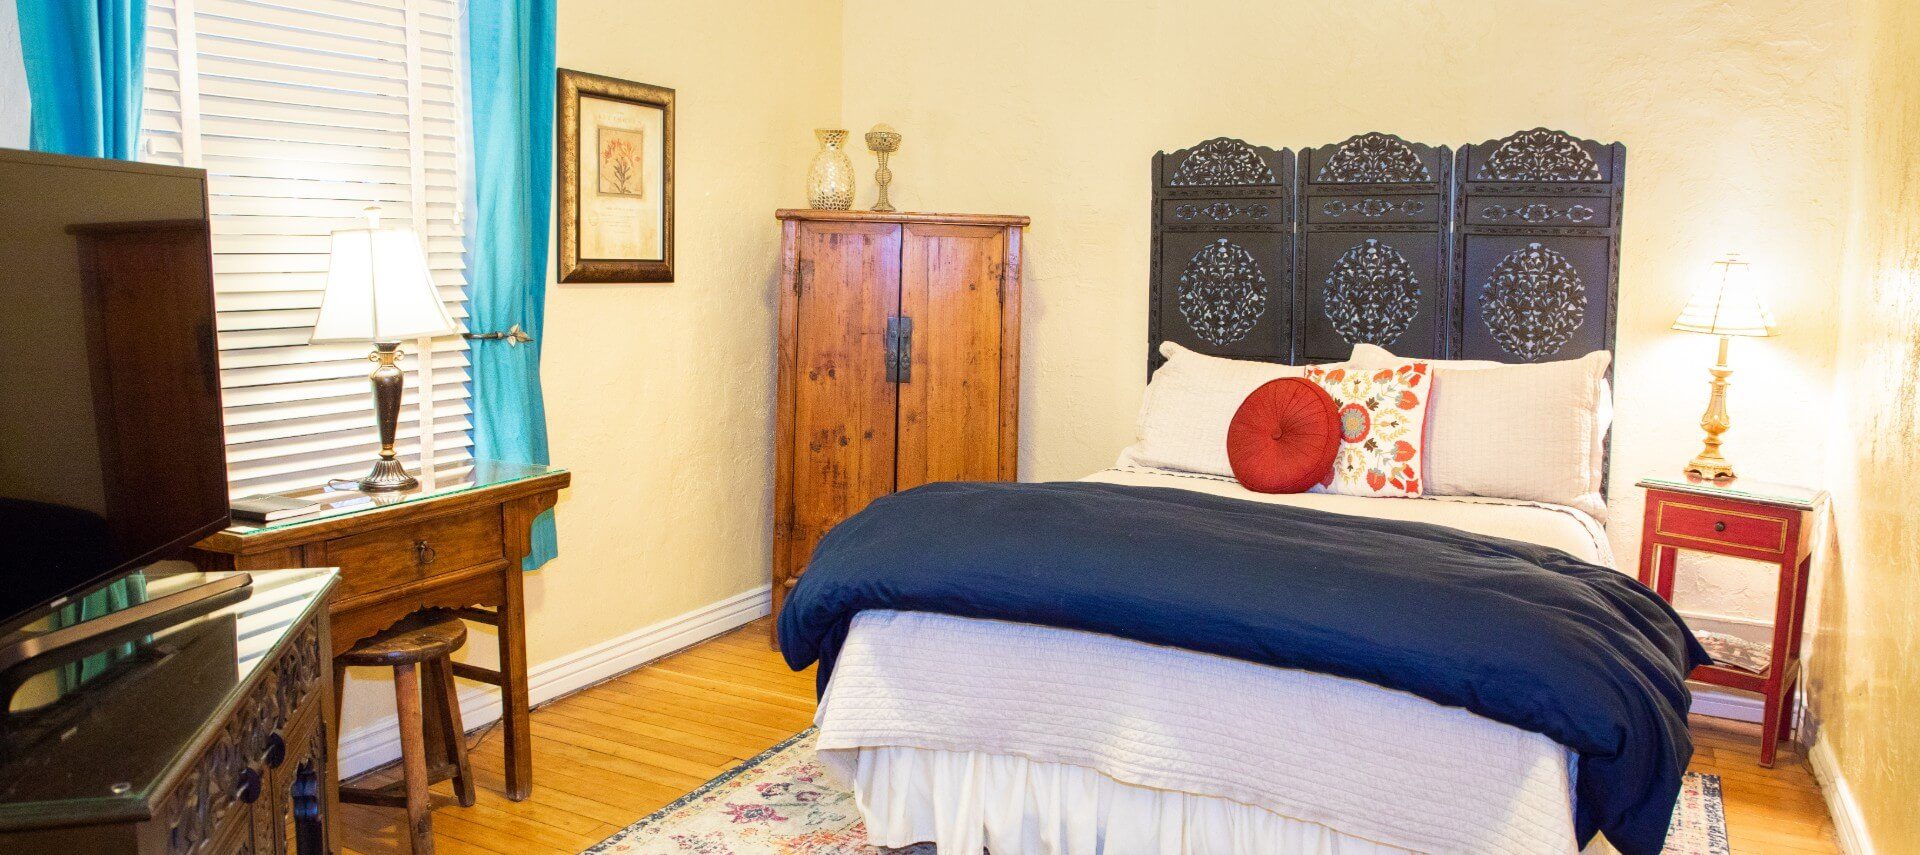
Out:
{"x": 784, "y": 803}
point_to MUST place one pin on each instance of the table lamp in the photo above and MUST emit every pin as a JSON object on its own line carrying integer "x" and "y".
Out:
{"x": 380, "y": 290}
{"x": 1725, "y": 305}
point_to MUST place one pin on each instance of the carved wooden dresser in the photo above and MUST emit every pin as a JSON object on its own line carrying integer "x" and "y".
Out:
{"x": 210, "y": 736}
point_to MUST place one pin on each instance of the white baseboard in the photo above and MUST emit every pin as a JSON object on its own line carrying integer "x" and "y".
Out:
{"x": 1752, "y": 629}
{"x": 1726, "y": 703}
{"x": 378, "y": 742}
{"x": 1714, "y": 700}
{"x": 1848, "y": 823}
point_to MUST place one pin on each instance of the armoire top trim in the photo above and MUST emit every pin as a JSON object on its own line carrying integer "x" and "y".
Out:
{"x": 901, "y": 217}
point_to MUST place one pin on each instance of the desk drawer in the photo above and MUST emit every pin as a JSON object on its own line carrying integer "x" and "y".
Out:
{"x": 1689, "y": 521}
{"x": 383, "y": 558}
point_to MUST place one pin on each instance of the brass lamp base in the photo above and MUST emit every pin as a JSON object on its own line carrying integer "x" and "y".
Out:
{"x": 1715, "y": 468}
{"x": 1708, "y": 463}
{"x": 387, "y": 476}
{"x": 387, "y": 378}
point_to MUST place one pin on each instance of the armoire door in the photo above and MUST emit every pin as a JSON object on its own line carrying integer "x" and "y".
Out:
{"x": 844, "y": 404}
{"x": 950, "y": 398}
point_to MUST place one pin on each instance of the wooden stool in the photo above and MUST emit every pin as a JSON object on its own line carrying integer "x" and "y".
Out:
{"x": 433, "y": 745}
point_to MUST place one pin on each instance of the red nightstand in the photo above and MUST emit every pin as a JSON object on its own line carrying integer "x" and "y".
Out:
{"x": 1742, "y": 519}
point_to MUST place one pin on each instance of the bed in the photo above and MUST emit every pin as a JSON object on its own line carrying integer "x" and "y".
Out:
{"x": 1045, "y": 667}
{"x": 976, "y": 699}
{"x": 1070, "y": 740}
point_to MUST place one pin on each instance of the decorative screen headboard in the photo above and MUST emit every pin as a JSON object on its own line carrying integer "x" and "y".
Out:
{"x": 1505, "y": 250}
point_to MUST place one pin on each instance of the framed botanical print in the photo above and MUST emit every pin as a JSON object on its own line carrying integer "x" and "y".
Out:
{"x": 615, "y": 163}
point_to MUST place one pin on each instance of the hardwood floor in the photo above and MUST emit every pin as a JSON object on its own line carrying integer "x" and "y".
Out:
{"x": 618, "y": 751}
{"x": 614, "y": 753}
{"x": 1777, "y": 810}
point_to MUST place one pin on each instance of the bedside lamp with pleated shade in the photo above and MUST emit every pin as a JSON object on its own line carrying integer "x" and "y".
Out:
{"x": 380, "y": 290}
{"x": 1724, "y": 305}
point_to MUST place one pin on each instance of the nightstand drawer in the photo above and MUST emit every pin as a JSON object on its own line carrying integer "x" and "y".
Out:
{"x": 383, "y": 558}
{"x": 1684, "y": 520}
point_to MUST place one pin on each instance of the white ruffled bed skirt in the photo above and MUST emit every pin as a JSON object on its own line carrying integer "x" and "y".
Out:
{"x": 969, "y": 801}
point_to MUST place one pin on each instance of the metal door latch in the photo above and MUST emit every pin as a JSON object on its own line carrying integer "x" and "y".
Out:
{"x": 899, "y": 349}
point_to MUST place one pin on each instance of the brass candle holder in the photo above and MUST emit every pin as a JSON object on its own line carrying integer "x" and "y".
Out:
{"x": 883, "y": 141}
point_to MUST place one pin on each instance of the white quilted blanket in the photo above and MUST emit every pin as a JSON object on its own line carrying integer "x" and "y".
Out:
{"x": 1367, "y": 762}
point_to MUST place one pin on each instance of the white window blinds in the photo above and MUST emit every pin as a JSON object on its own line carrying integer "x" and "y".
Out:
{"x": 303, "y": 113}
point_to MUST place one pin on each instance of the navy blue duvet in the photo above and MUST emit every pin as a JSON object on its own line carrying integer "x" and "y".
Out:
{"x": 1518, "y": 633}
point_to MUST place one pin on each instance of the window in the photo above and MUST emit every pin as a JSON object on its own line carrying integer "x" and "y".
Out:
{"x": 304, "y": 113}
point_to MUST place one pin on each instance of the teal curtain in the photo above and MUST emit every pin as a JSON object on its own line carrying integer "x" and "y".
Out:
{"x": 85, "y": 64}
{"x": 511, "y": 79}
{"x": 85, "y": 68}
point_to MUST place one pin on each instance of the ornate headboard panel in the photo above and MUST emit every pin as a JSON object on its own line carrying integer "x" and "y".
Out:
{"x": 1538, "y": 250}
{"x": 1223, "y": 232}
{"x": 1374, "y": 257}
{"x": 1505, "y": 250}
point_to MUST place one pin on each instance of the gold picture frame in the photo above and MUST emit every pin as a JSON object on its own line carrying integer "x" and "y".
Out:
{"x": 615, "y": 173}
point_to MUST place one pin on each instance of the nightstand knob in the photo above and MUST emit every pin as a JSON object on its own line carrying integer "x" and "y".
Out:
{"x": 1719, "y": 525}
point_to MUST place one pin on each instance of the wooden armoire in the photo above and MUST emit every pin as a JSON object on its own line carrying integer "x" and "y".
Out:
{"x": 899, "y": 364}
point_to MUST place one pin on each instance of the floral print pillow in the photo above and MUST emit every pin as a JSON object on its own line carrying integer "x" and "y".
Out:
{"x": 1383, "y": 416}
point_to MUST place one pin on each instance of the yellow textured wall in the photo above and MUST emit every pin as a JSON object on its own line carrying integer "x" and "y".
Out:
{"x": 1733, "y": 115}
{"x": 660, "y": 397}
{"x": 1865, "y": 660}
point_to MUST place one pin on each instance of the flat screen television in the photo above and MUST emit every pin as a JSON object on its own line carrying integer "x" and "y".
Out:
{"x": 111, "y": 448}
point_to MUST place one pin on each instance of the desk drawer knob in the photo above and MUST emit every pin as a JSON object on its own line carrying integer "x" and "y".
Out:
{"x": 422, "y": 552}
{"x": 1719, "y": 525}
{"x": 248, "y": 789}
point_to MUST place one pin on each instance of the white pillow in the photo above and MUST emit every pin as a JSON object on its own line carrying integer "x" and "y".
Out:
{"x": 1535, "y": 431}
{"x": 1375, "y": 356}
{"x": 1192, "y": 397}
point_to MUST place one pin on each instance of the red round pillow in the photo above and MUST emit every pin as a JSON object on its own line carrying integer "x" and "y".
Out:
{"x": 1284, "y": 437}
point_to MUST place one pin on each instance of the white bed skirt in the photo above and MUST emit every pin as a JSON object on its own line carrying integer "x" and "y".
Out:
{"x": 966, "y": 801}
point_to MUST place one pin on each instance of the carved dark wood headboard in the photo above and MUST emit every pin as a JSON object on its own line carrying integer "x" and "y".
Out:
{"x": 1505, "y": 250}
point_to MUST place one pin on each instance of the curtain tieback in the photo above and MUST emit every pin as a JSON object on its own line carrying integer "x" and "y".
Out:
{"x": 514, "y": 336}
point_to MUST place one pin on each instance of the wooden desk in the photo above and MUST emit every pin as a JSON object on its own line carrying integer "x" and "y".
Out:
{"x": 1742, "y": 519}
{"x": 456, "y": 543}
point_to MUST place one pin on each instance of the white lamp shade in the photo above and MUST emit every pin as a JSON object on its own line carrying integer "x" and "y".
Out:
{"x": 379, "y": 289}
{"x": 1726, "y": 304}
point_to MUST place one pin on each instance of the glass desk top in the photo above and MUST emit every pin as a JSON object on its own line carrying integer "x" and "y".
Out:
{"x": 1740, "y": 489}
{"x": 340, "y": 498}
{"x": 94, "y": 738}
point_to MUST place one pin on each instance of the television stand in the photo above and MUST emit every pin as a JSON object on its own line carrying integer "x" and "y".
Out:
{"x": 208, "y": 736}
{"x": 52, "y": 648}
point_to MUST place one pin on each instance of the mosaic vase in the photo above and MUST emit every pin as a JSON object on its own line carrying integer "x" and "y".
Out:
{"x": 830, "y": 178}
